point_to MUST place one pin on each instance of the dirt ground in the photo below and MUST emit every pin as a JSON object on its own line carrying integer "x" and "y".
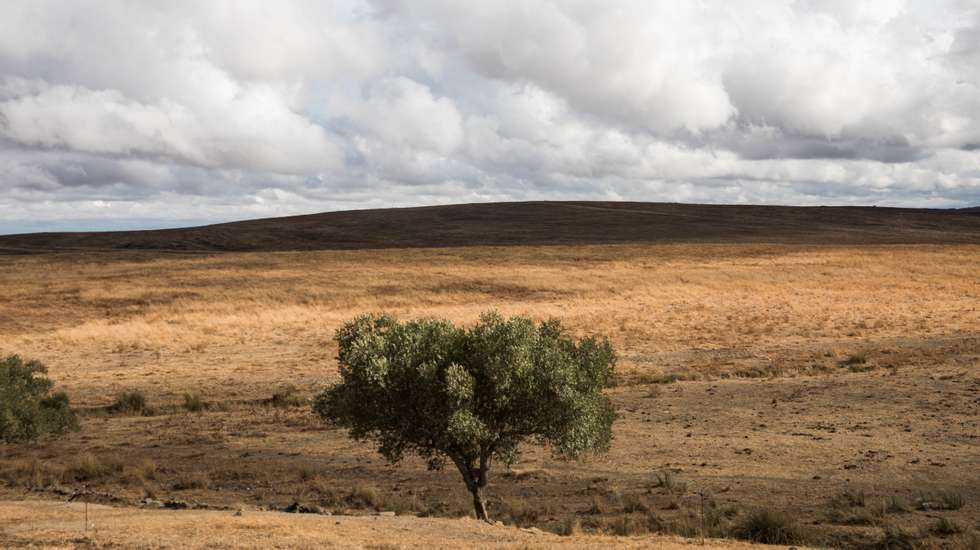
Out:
{"x": 49, "y": 524}
{"x": 839, "y": 385}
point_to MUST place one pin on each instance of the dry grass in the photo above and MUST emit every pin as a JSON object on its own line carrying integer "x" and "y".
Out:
{"x": 61, "y": 526}
{"x": 771, "y": 375}
{"x": 168, "y": 324}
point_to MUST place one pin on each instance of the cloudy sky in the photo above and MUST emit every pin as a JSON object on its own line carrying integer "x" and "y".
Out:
{"x": 149, "y": 114}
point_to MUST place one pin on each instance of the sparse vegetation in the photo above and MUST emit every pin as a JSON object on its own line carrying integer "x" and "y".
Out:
{"x": 143, "y": 471}
{"x": 851, "y": 498}
{"x": 945, "y": 527}
{"x": 854, "y": 360}
{"x": 131, "y": 402}
{"x": 895, "y": 505}
{"x": 88, "y": 467}
{"x": 32, "y": 474}
{"x": 28, "y": 409}
{"x": 665, "y": 480}
{"x": 259, "y": 320}
{"x": 941, "y": 500}
{"x": 570, "y": 526}
{"x": 190, "y": 480}
{"x": 194, "y": 403}
{"x": 285, "y": 397}
{"x": 365, "y": 496}
{"x": 667, "y": 377}
{"x": 518, "y": 511}
{"x": 768, "y": 527}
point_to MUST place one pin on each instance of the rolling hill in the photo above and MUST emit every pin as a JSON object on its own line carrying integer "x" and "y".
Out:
{"x": 534, "y": 223}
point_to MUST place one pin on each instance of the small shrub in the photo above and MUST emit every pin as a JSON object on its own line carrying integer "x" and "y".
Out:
{"x": 518, "y": 511}
{"x": 33, "y": 474}
{"x": 597, "y": 507}
{"x": 194, "y": 403}
{"x": 714, "y": 519}
{"x": 854, "y": 359}
{"x": 862, "y": 367}
{"x": 853, "y": 497}
{"x": 852, "y": 517}
{"x": 365, "y": 496}
{"x": 285, "y": 397}
{"x": 756, "y": 371}
{"x": 896, "y": 505}
{"x": 28, "y": 409}
{"x": 145, "y": 471}
{"x": 768, "y": 527}
{"x": 686, "y": 526}
{"x": 897, "y": 538}
{"x": 88, "y": 467}
{"x": 667, "y": 377}
{"x": 409, "y": 504}
{"x": 131, "y": 402}
{"x": 952, "y": 501}
{"x": 570, "y": 526}
{"x": 627, "y": 525}
{"x": 191, "y": 480}
{"x": 944, "y": 500}
{"x": 673, "y": 504}
{"x": 635, "y": 503}
{"x": 666, "y": 481}
{"x": 944, "y": 527}
{"x": 305, "y": 473}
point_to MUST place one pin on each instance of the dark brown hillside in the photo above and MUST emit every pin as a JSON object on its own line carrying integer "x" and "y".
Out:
{"x": 535, "y": 223}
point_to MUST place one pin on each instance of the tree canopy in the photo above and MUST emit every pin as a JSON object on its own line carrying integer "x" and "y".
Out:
{"x": 471, "y": 395}
{"x": 28, "y": 409}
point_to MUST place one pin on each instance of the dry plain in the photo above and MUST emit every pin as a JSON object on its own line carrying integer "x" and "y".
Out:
{"x": 840, "y": 384}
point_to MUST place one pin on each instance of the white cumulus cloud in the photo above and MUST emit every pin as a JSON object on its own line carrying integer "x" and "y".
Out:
{"x": 220, "y": 110}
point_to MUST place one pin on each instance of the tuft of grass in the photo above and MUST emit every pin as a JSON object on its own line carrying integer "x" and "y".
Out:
{"x": 409, "y": 504}
{"x": 306, "y": 473}
{"x": 853, "y": 359}
{"x": 628, "y": 525}
{"x": 897, "y": 538}
{"x": 88, "y": 467}
{"x": 756, "y": 371}
{"x": 145, "y": 470}
{"x": 571, "y": 526}
{"x": 517, "y": 510}
{"x": 635, "y": 503}
{"x": 768, "y": 526}
{"x": 665, "y": 480}
{"x": 944, "y": 500}
{"x": 944, "y": 527}
{"x": 365, "y": 496}
{"x": 668, "y": 377}
{"x": 194, "y": 403}
{"x": 285, "y": 397}
{"x": 895, "y": 505}
{"x": 32, "y": 474}
{"x": 131, "y": 402}
{"x": 597, "y": 507}
{"x": 849, "y": 498}
{"x": 191, "y": 480}
{"x": 654, "y": 391}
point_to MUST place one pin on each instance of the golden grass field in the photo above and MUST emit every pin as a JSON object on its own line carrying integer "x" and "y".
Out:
{"x": 838, "y": 383}
{"x": 57, "y": 525}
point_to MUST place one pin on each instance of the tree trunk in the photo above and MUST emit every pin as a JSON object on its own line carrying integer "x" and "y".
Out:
{"x": 479, "y": 506}
{"x": 475, "y": 482}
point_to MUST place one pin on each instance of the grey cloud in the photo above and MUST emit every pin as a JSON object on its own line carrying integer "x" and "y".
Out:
{"x": 224, "y": 110}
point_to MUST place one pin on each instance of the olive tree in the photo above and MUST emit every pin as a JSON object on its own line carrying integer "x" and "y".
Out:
{"x": 470, "y": 395}
{"x": 28, "y": 409}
